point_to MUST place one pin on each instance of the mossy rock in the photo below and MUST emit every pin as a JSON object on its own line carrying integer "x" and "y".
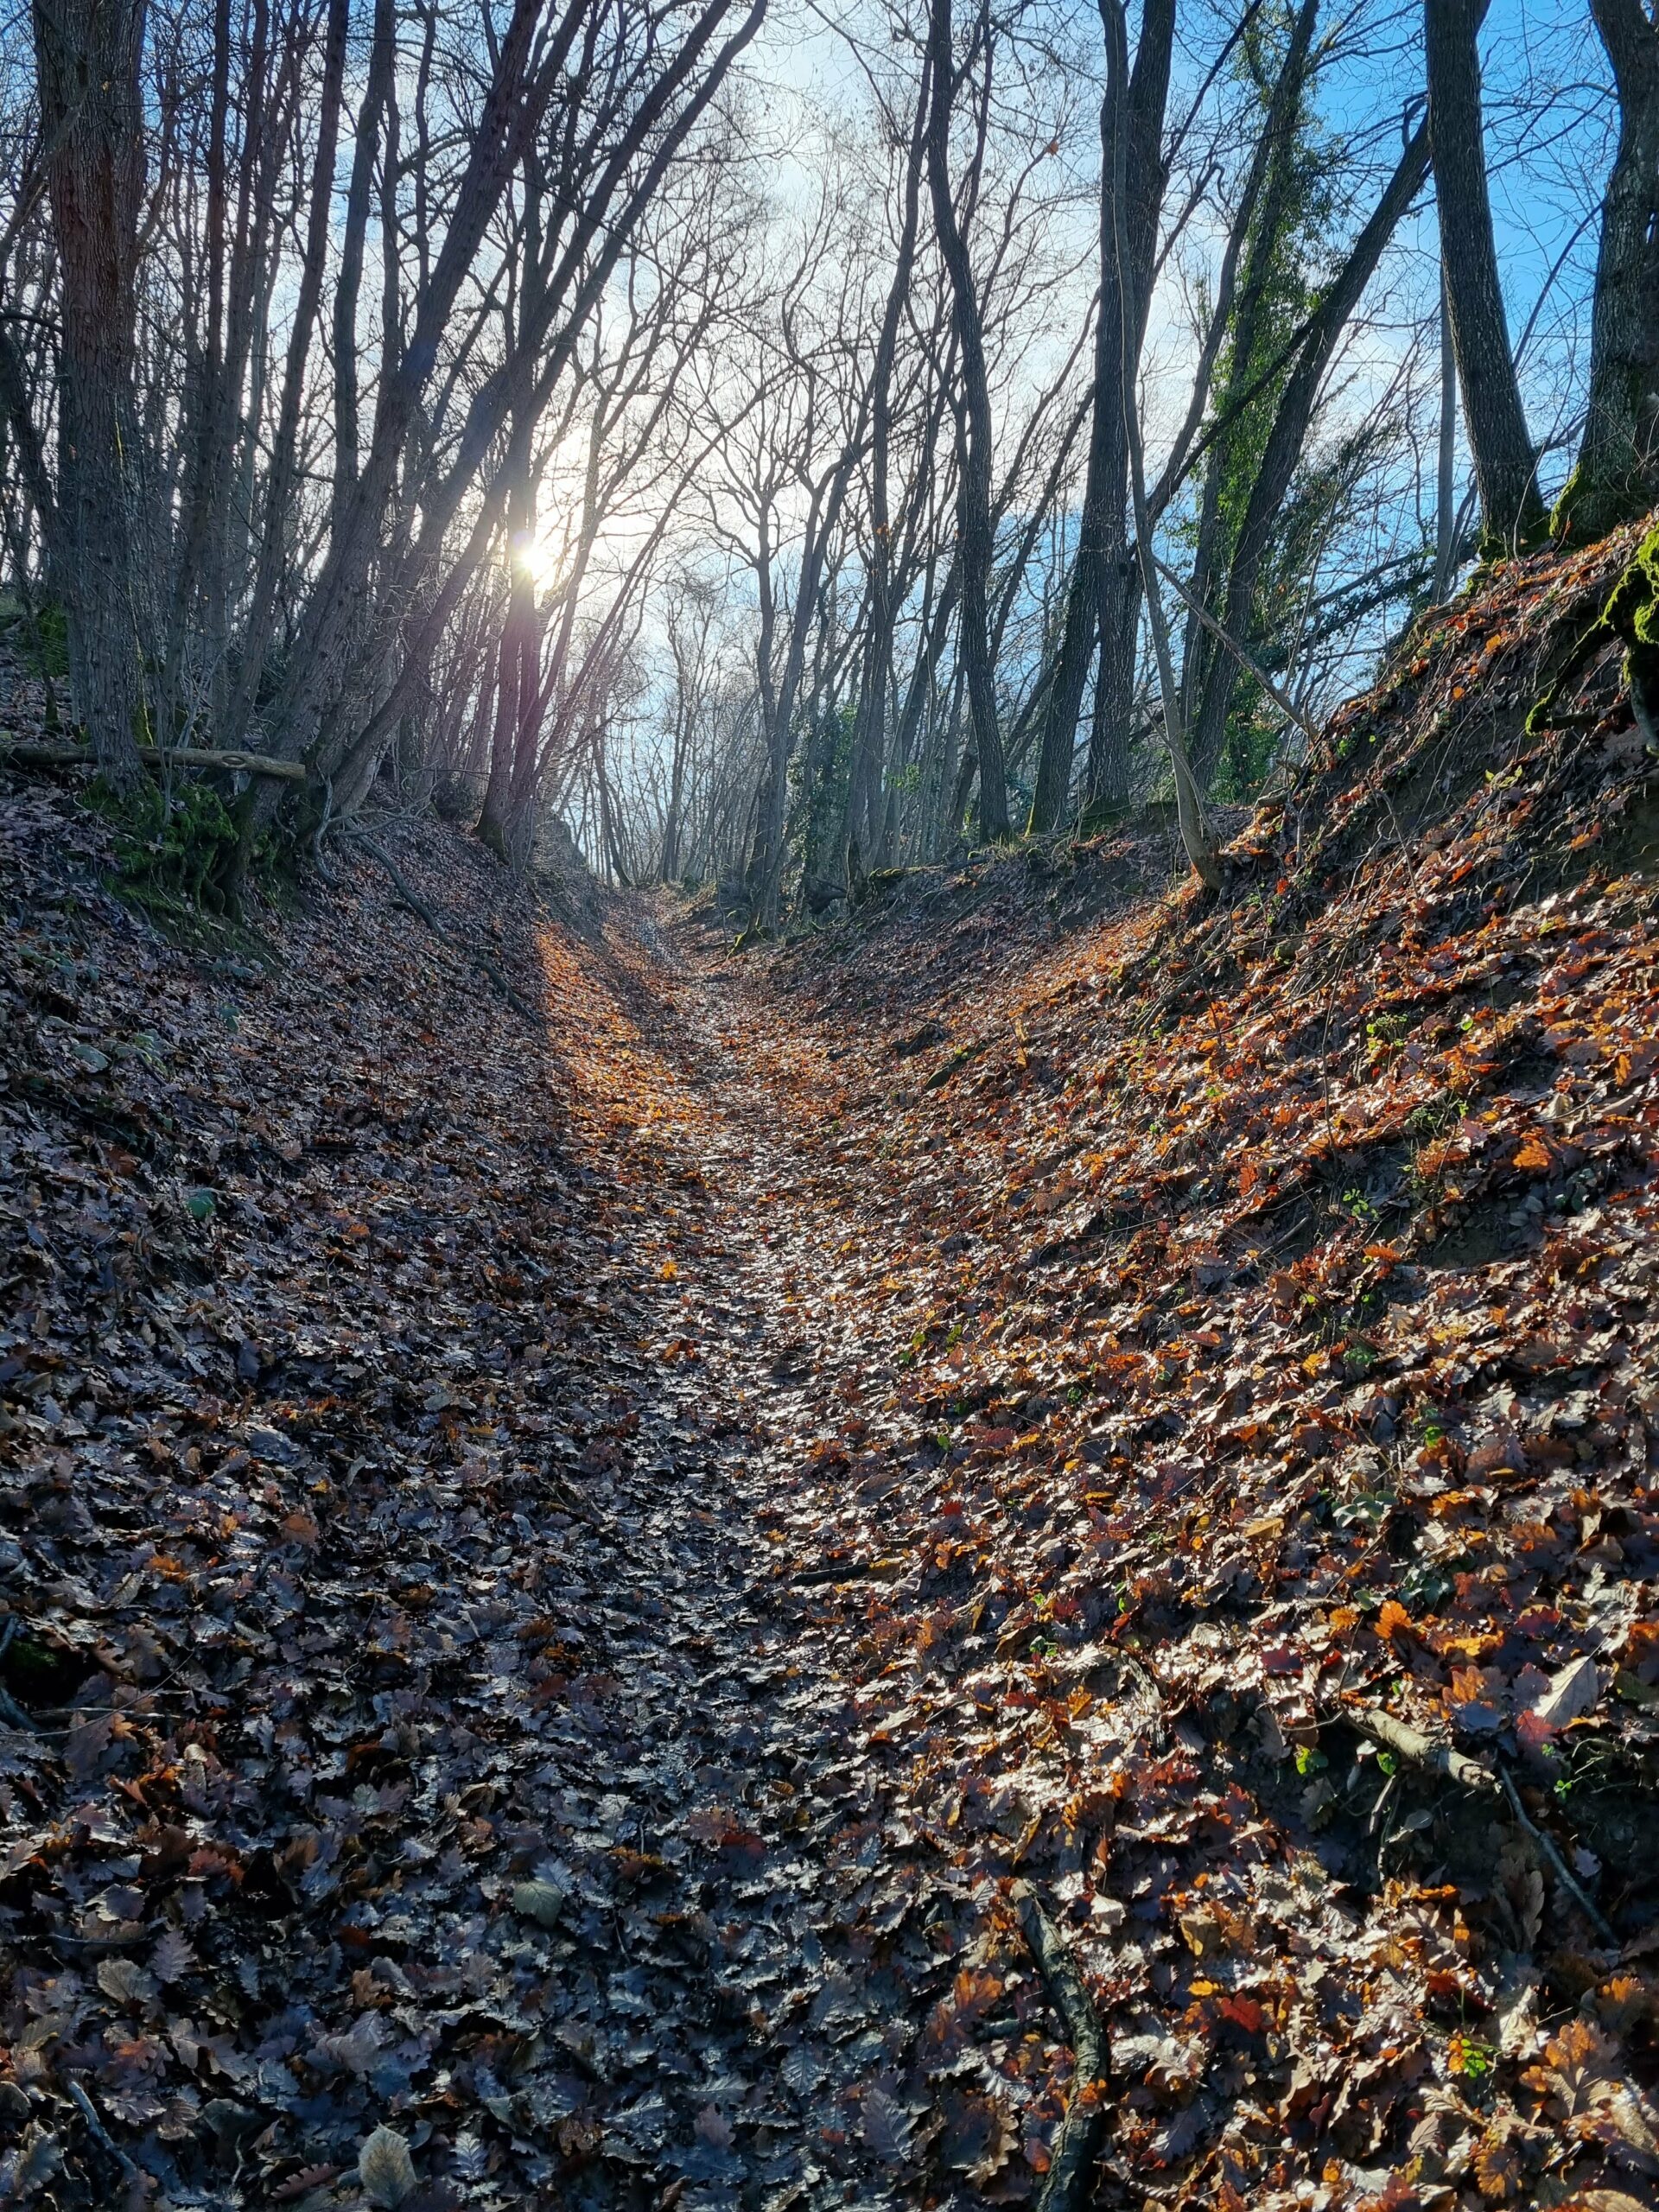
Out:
{"x": 170, "y": 845}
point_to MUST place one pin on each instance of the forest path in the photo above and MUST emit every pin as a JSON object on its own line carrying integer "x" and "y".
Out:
{"x": 740, "y": 2036}
{"x": 553, "y": 1573}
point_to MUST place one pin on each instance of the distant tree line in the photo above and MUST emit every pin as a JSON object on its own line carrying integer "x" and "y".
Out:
{"x": 500, "y": 406}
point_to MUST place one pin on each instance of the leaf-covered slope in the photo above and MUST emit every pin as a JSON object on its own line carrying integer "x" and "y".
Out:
{"x": 351, "y": 1658}
{"x": 1250, "y": 1343}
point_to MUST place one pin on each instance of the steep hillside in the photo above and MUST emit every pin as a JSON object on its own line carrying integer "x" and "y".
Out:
{"x": 1254, "y": 1316}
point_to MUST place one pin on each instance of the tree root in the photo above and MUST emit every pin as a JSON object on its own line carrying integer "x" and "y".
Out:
{"x": 1071, "y": 2177}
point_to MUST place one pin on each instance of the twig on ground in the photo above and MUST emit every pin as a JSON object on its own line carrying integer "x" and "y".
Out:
{"x": 1421, "y": 1750}
{"x": 848, "y": 1570}
{"x": 1071, "y": 2176}
{"x": 1562, "y": 1872}
{"x": 417, "y": 904}
{"x": 89, "y": 2113}
{"x": 1416, "y": 1749}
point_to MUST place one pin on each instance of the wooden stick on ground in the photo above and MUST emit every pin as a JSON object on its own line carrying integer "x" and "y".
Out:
{"x": 1416, "y": 1749}
{"x": 37, "y": 753}
{"x": 1421, "y": 1750}
{"x": 417, "y": 904}
{"x": 1071, "y": 2177}
{"x": 1558, "y": 1865}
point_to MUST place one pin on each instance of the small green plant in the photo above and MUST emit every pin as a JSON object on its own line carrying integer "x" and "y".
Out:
{"x": 1310, "y": 1760}
{"x": 1467, "y": 2056}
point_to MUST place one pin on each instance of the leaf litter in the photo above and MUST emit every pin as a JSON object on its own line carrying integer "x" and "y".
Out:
{"x": 556, "y": 1586}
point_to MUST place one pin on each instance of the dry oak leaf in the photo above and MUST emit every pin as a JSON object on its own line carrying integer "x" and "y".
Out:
{"x": 978, "y": 2137}
{"x": 385, "y": 2169}
{"x": 889, "y": 2130}
{"x": 1577, "y": 2069}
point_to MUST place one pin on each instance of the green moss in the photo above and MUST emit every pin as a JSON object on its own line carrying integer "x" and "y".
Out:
{"x": 1632, "y": 608}
{"x": 1632, "y": 615}
{"x": 170, "y": 846}
{"x": 1588, "y": 507}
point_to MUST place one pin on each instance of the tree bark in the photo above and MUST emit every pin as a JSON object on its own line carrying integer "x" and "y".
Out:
{"x": 1196, "y": 838}
{"x": 1505, "y": 464}
{"x": 87, "y": 60}
{"x": 382, "y": 55}
{"x": 1618, "y": 471}
{"x": 1101, "y": 582}
{"x": 974, "y": 480}
{"x": 201, "y": 474}
{"x": 1322, "y": 332}
{"x": 869, "y": 736}
{"x": 1446, "y": 475}
{"x": 1269, "y": 205}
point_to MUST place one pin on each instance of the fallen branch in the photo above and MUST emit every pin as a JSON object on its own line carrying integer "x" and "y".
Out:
{"x": 1224, "y": 638}
{"x": 1421, "y": 1750}
{"x": 33, "y": 753}
{"x": 90, "y": 2114}
{"x": 1558, "y": 1865}
{"x": 1071, "y": 2177}
{"x": 417, "y": 906}
{"x": 1416, "y": 1749}
{"x": 848, "y": 1570}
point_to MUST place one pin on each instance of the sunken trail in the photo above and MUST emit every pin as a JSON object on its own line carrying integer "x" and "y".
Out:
{"x": 578, "y": 1598}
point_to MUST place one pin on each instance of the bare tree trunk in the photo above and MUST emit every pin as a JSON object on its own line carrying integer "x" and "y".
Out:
{"x": 974, "y": 479}
{"x": 1618, "y": 471}
{"x": 1445, "y": 473}
{"x": 260, "y": 629}
{"x": 1196, "y": 838}
{"x": 1288, "y": 437}
{"x": 495, "y": 817}
{"x": 1505, "y": 464}
{"x": 87, "y": 58}
{"x": 382, "y": 55}
{"x": 870, "y": 738}
{"x": 1269, "y": 202}
{"x": 1101, "y": 582}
